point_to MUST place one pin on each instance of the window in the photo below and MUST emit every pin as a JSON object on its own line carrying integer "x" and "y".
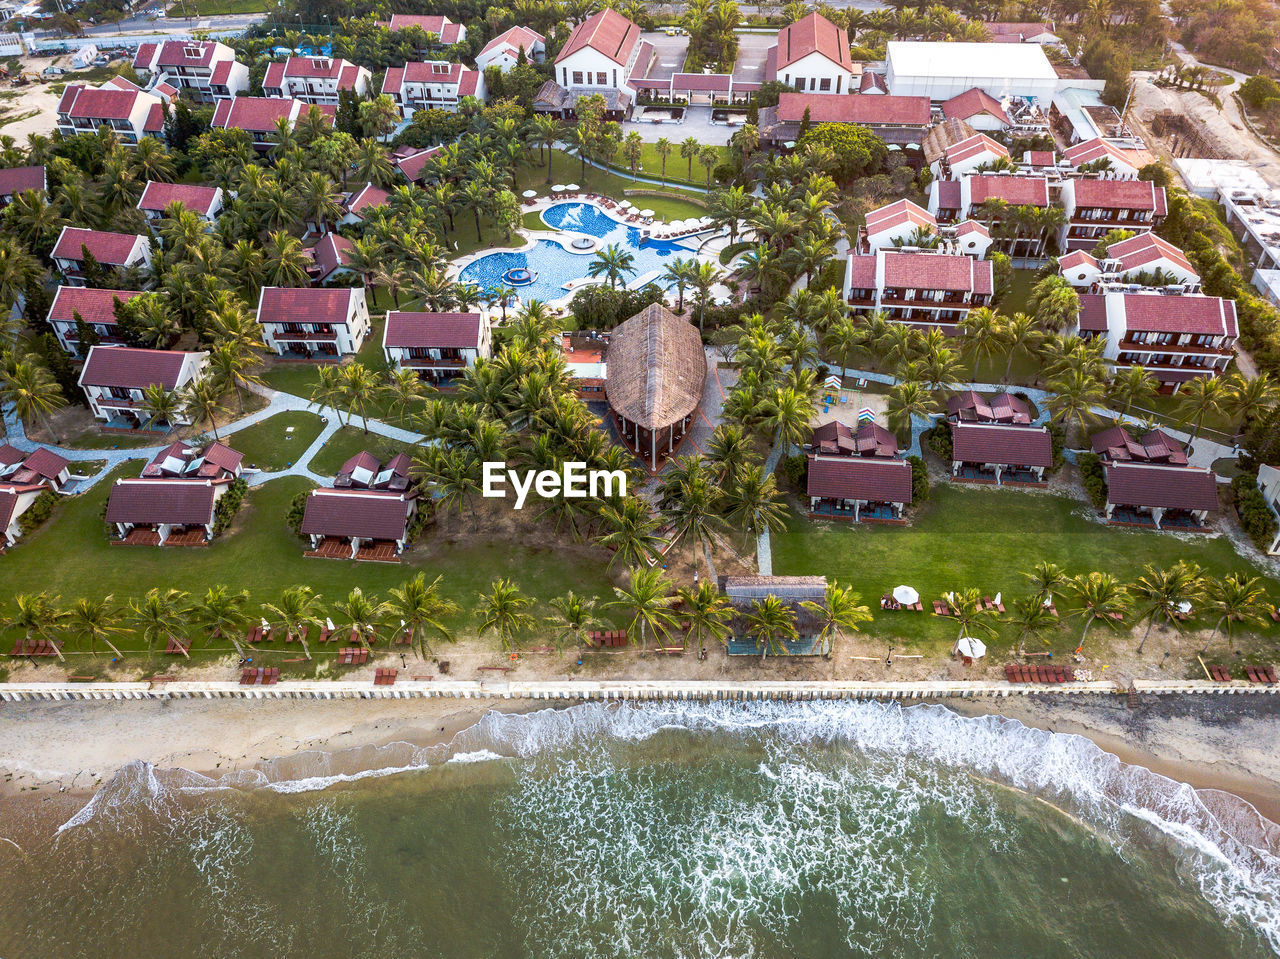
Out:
{"x": 825, "y": 84}
{"x": 602, "y": 79}
{"x": 577, "y": 76}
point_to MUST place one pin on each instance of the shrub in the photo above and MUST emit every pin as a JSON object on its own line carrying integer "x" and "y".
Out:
{"x": 1093, "y": 479}
{"x": 297, "y": 508}
{"x": 794, "y": 470}
{"x": 1057, "y": 440}
{"x": 39, "y": 511}
{"x": 228, "y": 505}
{"x": 1256, "y": 518}
{"x": 919, "y": 479}
{"x": 940, "y": 442}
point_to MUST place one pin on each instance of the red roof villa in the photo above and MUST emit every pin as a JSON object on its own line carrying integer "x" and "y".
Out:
{"x": 315, "y": 80}
{"x": 257, "y": 116}
{"x": 120, "y": 250}
{"x": 434, "y": 85}
{"x": 174, "y": 501}
{"x": 901, "y": 121}
{"x": 837, "y": 439}
{"x": 1000, "y": 454}
{"x": 812, "y": 55}
{"x": 180, "y": 460}
{"x": 925, "y": 287}
{"x": 859, "y": 488}
{"x": 504, "y": 50}
{"x": 39, "y": 467}
{"x": 1160, "y": 497}
{"x": 367, "y": 513}
{"x": 114, "y": 378}
{"x": 971, "y": 407}
{"x": 435, "y": 345}
{"x": 207, "y": 68}
{"x": 20, "y": 179}
{"x": 445, "y": 30}
{"x": 15, "y": 500}
{"x": 1117, "y": 445}
{"x": 327, "y": 323}
{"x": 95, "y": 307}
{"x": 1095, "y": 207}
{"x": 204, "y": 201}
{"x": 331, "y": 257}
{"x": 130, "y": 114}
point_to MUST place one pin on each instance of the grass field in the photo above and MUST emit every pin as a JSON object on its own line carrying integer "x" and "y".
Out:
{"x": 218, "y": 8}
{"x": 270, "y": 446}
{"x": 966, "y": 537}
{"x": 347, "y": 442}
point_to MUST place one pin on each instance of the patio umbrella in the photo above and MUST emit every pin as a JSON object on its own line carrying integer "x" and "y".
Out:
{"x": 833, "y": 382}
{"x": 676, "y": 224}
{"x": 572, "y": 188}
{"x": 973, "y": 648}
{"x": 558, "y": 188}
{"x": 646, "y": 213}
{"x": 906, "y": 595}
{"x": 625, "y": 205}
{"x": 328, "y": 623}
{"x": 1185, "y": 608}
{"x": 997, "y": 599}
{"x": 530, "y": 194}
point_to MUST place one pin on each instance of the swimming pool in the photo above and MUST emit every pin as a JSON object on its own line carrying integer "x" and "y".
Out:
{"x": 554, "y": 266}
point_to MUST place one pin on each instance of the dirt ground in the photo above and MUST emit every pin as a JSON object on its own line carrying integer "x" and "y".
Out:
{"x": 35, "y": 96}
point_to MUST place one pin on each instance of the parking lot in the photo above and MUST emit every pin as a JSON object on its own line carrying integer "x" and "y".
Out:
{"x": 752, "y": 49}
{"x": 670, "y": 52}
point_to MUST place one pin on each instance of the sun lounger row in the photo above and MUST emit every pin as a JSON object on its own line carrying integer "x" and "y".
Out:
{"x": 1019, "y": 673}
{"x": 35, "y": 647}
{"x": 888, "y": 602}
{"x": 261, "y": 676}
{"x": 989, "y": 603}
{"x": 177, "y": 647}
{"x": 1261, "y": 674}
{"x": 353, "y": 656}
{"x": 607, "y": 637}
{"x": 385, "y": 676}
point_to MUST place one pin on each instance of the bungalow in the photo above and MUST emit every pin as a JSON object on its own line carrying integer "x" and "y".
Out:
{"x": 413, "y": 162}
{"x": 313, "y": 324}
{"x": 114, "y": 378}
{"x": 366, "y": 515}
{"x": 967, "y": 155}
{"x": 921, "y": 287}
{"x": 1095, "y": 207}
{"x": 39, "y": 467}
{"x": 331, "y": 259}
{"x": 204, "y": 201}
{"x": 981, "y": 192}
{"x": 811, "y": 55}
{"x": 15, "y": 499}
{"x": 1160, "y": 497}
{"x": 1176, "y": 338}
{"x": 979, "y": 109}
{"x": 504, "y": 50}
{"x": 446, "y": 32}
{"x": 164, "y": 512}
{"x": 1100, "y": 154}
{"x": 315, "y": 80}
{"x": 900, "y": 121}
{"x": 95, "y": 307}
{"x": 130, "y": 114}
{"x": 1117, "y": 445}
{"x": 258, "y": 116}
{"x": 1001, "y": 454}
{"x": 434, "y": 85}
{"x": 600, "y": 56}
{"x": 20, "y": 179}
{"x": 742, "y": 592}
{"x": 438, "y": 346}
{"x": 971, "y": 407}
{"x": 180, "y": 460}
{"x": 207, "y": 68}
{"x": 859, "y": 488}
{"x": 837, "y": 439}
{"x": 119, "y": 250}
{"x": 904, "y": 224}
{"x": 356, "y": 202}
{"x": 1145, "y": 259}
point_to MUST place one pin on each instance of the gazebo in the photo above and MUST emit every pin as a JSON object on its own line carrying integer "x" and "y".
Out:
{"x": 654, "y": 380}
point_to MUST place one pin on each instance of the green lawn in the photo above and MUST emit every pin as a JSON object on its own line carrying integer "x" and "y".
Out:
{"x": 72, "y": 556}
{"x": 218, "y": 8}
{"x": 270, "y": 446}
{"x": 966, "y": 537}
{"x": 347, "y": 442}
{"x": 1019, "y": 291}
{"x": 567, "y": 168}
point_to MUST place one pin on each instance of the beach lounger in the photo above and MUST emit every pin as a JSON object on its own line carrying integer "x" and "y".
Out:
{"x": 1261, "y": 674}
{"x": 299, "y": 637}
{"x": 403, "y": 638}
{"x": 1220, "y": 674}
{"x": 177, "y": 647}
{"x": 384, "y": 676}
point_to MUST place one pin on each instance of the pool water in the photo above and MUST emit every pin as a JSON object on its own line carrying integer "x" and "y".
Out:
{"x": 554, "y": 266}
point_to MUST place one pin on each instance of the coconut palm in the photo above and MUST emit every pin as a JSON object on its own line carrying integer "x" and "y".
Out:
{"x": 422, "y": 610}
{"x": 362, "y": 615}
{"x": 29, "y": 387}
{"x": 285, "y": 262}
{"x": 1160, "y": 595}
{"x": 1237, "y": 599}
{"x": 967, "y": 608}
{"x": 771, "y": 623}
{"x": 1046, "y": 579}
{"x": 786, "y": 417}
{"x": 297, "y": 610}
{"x": 159, "y": 616}
{"x": 693, "y": 509}
{"x": 504, "y": 610}
{"x": 613, "y": 263}
{"x": 707, "y": 612}
{"x": 94, "y": 621}
{"x": 328, "y": 390}
{"x": 679, "y": 273}
{"x": 222, "y": 613}
{"x": 230, "y": 367}
{"x": 982, "y": 329}
{"x": 906, "y": 402}
{"x": 1074, "y": 395}
{"x": 372, "y": 164}
{"x": 755, "y": 504}
{"x": 360, "y": 387}
{"x": 1201, "y": 398}
{"x": 689, "y": 148}
{"x": 573, "y": 618}
{"x": 319, "y": 201}
{"x": 631, "y": 532}
{"x": 1131, "y": 386}
{"x": 647, "y": 600}
{"x": 839, "y": 610}
{"x": 163, "y": 406}
{"x": 730, "y": 451}
{"x": 1020, "y": 333}
{"x": 1102, "y": 599}
{"x": 38, "y": 616}
{"x": 1031, "y": 617}
{"x": 1249, "y": 399}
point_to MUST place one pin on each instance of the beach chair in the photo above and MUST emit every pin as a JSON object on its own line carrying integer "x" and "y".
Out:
{"x": 1220, "y": 674}
{"x": 384, "y": 676}
{"x": 177, "y": 647}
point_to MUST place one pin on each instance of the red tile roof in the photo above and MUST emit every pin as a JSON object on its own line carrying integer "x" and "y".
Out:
{"x": 1096, "y": 149}
{"x": 970, "y": 406}
{"x": 94, "y": 306}
{"x": 607, "y": 32}
{"x": 440, "y": 330}
{"x": 814, "y": 34}
{"x": 1167, "y": 487}
{"x": 312, "y": 68}
{"x": 85, "y": 103}
{"x": 853, "y": 108}
{"x": 1077, "y": 258}
{"x": 975, "y": 146}
{"x": 222, "y": 73}
{"x": 1014, "y": 190}
{"x": 131, "y": 368}
{"x": 1157, "y": 313}
{"x": 146, "y": 501}
{"x": 19, "y": 179}
{"x": 862, "y": 271}
{"x": 45, "y": 462}
{"x": 366, "y": 513}
{"x": 1119, "y": 195}
{"x": 973, "y": 102}
{"x": 929, "y": 271}
{"x": 111, "y": 249}
{"x": 1001, "y": 445}
{"x": 10, "y": 454}
{"x": 331, "y": 253}
{"x": 254, "y": 114}
{"x": 872, "y": 81}
{"x": 949, "y": 195}
{"x": 856, "y": 477}
{"x": 447, "y": 31}
{"x": 1093, "y": 312}
{"x": 223, "y": 457}
{"x": 412, "y": 165}
{"x": 174, "y": 53}
{"x": 516, "y": 38}
{"x": 1137, "y": 251}
{"x": 279, "y": 304}
{"x": 158, "y": 196}
{"x": 10, "y": 493}
{"x": 897, "y": 214}
{"x": 367, "y": 196}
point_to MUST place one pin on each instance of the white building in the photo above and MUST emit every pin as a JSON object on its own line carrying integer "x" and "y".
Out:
{"x": 942, "y": 70}
{"x": 904, "y": 224}
{"x": 313, "y": 324}
{"x": 118, "y": 250}
{"x": 503, "y": 51}
{"x": 1127, "y": 261}
{"x": 204, "y": 201}
{"x": 208, "y": 68}
{"x": 1269, "y": 485}
{"x": 812, "y": 55}
{"x": 129, "y": 114}
{"x": 1099, "y": 151}
{"x": 435, "y": 85}
{"x": 114, "y": 379}
{"x": 96, "y": 308}
{"x": 437, "y": 346}
{"x": 315, "y": 80}
{"x": 600, "y": 55}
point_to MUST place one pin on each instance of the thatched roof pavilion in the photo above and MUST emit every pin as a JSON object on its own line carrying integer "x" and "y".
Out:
{"x": 655, "y": 378}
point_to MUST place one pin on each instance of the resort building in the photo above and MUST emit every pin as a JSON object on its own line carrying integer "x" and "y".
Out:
{"x": 900, "y": 121}
{"x": 15, "y": 500}
{"x": 970, "y": 407}
{"x": 1145, "y": 260}
{"x": 504, "y": 50}
{"x": 164, "y": 512}
{"x": 20, "y": 179}
{"x": 1160, "y": 497}
{"x": 115, "y": 377}
{"x": 257, "y": 116}
{"x": 437, "y": 346}
{"x": 330, "y": 259}
{"x": 315, "y": 80}
{"x": 130, "y": 114}
{"x": 1095, "y": 207}
{"x": 1022, "y": 33}
{"x": 445, "y": 31}
{"x": 180, "y": 460}
{"x": 1269, "y": 486}
{"x": 40, "y": 467}
{"x": 921, "y": 287}
{"x": 205, "y": 67}
{"x": 968, "y": 155}
{"x": 97, "y": 310}
{"x": 368, "y": 197}
{"x": 586, "y": 356}
{"x": 311, "y": 324}
{"x": 861, "y": 488}
{"x": 654, "y": 383}
{"x": 1000, "y": 454}
{"x": 435, "y": 85}
{"x": 118, "y": 250}
{"x": 837, "y": 439}
{"x": 366, "y": 514}
{"x": 1175, "y": 337}
{"x": 979, "y": 109}
{"x": 904, "y": 224}
{"x": 1102, "y": 155}
{"x": 812, "y": 55}
{"x": 1155, "y": 447}
{"x": 793, "y": 591}
{"x": 942, "y": 70}
{"x": 204, "y": 201}
{"x": 600, "y": 56}
{"x": 413, "y": 162}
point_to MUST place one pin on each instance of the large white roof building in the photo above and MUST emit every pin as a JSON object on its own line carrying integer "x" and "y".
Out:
{"x": 941, "y": 71}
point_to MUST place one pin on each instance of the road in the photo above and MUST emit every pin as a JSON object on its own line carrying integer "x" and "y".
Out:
{"x": 148, "y": 21}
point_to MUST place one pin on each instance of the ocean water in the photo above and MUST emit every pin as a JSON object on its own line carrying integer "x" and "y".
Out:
{"x": 811, "y": 830}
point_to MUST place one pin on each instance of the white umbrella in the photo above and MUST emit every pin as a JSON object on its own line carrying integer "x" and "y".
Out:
{"x": 676, "y": 224}
{"x": 973, "y": 648}
{"x": 572, "y": 188}
{"x": 329, "y": 624}
{"x": 997, "y": 599}
{"x": 1184, "y": 608}
{"x": 625, "y": 205}
{"x": 558, "y": 188}
{"x": 530, "y": 194}
{"x": 646, "y": 213}
{"x": 906, "y": 595}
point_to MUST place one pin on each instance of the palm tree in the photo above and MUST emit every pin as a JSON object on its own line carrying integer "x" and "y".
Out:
{"x": 1031, "y": 617}
{"x": 839, "y": 610}
{"x": 285, "y": 262}
{"x": 328, "y": 390}
{"x": 360, "y": 387}
{"x": 297, "y": 610}
{"x": 1102, "y": 597}
{"x": 1202, "y": 397}
{"x": 787, "y": 416}
{"x": 164, "y": 406}
{"x": 31, "y": 389}
{"x": 545, "y": 133}
{"x": 222, "y": 613}
{"x": 1046, "y": 578}
{"x": 663, "y": 148}
{"x": 693, "y": 510}
{"x": 94, "y": 621}
{"x": 632, "y": 532}
{"x": 707, "y": 612}
{"x": 755, "y": 504}
{"x": 967, "y": 608}
{"x": 363, "y": 615}
{"x": 907, "y": 401}
{"x": 573, "y": 618}
{"x": 371, "y": 163}
{"x": 708, "y": 156}
{"x": 1237, "y": 599}
{"x": 1075, "y": 394}
{"x": 982, "y": 329}
{"x": 689, "y": 148}
{"x": 1162, "y": 594}
{"x": 38, "y": 616}
{"x": 679, "y": 273}
{"x": 771, "y": 623}
{"x": 1131, "y": 386}
{"x": 1251, "y": 398}
{"x": 1020, "y": 333}
{"x": 613, "y": 263}
{"x": 647, "y": 600}
{"x": 421, "y": 610}
{"x": 159, "y": 616}
{"x": 504, "y": 610}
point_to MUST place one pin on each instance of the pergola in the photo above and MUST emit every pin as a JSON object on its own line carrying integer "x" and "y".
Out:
{"x": 688, "y": 85}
